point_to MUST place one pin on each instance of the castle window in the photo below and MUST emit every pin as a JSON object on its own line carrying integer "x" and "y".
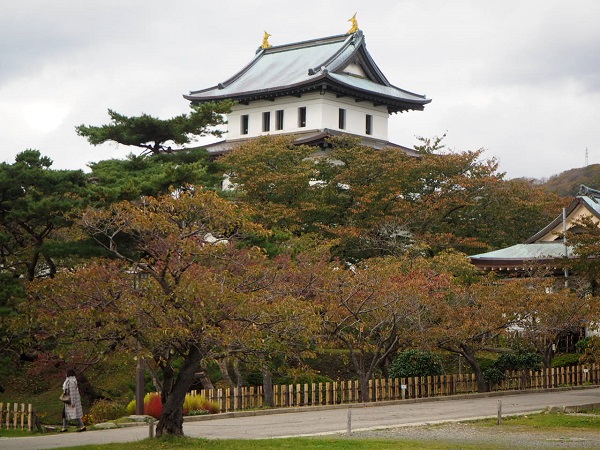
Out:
{"x": 302, "y": 117}
{"x": 266, "y": 124}
{"x": 369, "y": 124}
{"x": 244, "y": 123}
{"x": 279, "y": 119}
{"x": 342, "y": 119}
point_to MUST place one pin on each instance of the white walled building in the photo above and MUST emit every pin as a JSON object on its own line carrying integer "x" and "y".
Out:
{"x": 311, "y": 89}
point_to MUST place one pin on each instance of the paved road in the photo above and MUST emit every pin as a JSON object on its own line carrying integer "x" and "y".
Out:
{"x": 312, "y": 422}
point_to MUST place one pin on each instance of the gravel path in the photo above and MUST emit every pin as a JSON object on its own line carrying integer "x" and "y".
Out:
{"x": 504, "y": 437}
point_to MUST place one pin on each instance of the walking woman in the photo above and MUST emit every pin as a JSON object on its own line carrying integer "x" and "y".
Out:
{"x": 72, "y": 410}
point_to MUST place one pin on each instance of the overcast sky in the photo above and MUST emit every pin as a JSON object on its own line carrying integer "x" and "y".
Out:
{"x": 519, "y": 78}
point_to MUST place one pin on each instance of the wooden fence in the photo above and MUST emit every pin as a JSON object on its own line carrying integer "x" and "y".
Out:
{"x": 340, "y": 392}
{"x": 17, "y": 416}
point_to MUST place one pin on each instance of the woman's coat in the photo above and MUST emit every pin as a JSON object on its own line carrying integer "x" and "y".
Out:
{"x": 73, "y": 410}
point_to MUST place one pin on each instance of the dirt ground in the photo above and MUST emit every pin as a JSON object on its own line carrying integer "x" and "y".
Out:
{"x": 503, "y": 437}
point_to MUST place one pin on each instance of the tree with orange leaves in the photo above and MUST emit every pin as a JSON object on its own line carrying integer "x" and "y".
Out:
{"x": 371, "y": 308}
{"x": 179, "y": 289}
{"x": 381, "y": 202}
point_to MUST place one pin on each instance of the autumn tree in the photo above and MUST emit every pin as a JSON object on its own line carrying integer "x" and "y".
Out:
{"x": 282, "y": 328}
{"x": 555, "y": 310}
{"x": 474, "y": 316}
{"x": 155, "y": 135}
{"x": 176, "y": 309}
{"x": 275, "y": 175}
{"x": 179, "y": 293}
{"x": 382, "y": 202}
{"x": 442, "y": 199}
{"x": 371, "y": 308}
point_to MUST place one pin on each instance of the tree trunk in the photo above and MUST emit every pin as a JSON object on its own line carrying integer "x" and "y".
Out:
{"x": 470, "y": 357}
{"x": 238, "y": 375}
{"x": 202, "y": 376}
{"x": 365, "y": 396}
{"x": 358, "y": 361}
{"x": 268, "y": 387}
{"x": 548, "y": 354}
{"x": 225, "y": 372}
{"x": 171, "y": 420}
{"x": 158, "y": 386}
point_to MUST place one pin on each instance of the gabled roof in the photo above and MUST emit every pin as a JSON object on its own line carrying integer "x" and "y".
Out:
{"x": 547, "y": 244}
{"x": 521, "y": 255}
{"x": 339, "y": 64}
{"x": 585, "y": 203}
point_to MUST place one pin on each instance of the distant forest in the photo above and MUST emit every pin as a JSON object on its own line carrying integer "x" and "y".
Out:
{"x": 566, "y": 184}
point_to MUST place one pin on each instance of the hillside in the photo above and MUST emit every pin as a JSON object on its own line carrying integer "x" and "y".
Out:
{"x": 566, "y": 184}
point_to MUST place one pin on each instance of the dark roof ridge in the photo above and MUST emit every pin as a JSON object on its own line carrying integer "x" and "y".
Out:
{"x": 588, "y": 192}
{"x": 307, "y": 43}
{"x": 350, "y": 40}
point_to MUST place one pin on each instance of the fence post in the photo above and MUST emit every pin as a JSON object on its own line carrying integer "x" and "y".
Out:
{"x": 499, "y": 412}
{"x": 334, "y": 396}
{"x": 349, "y": 421}
{"x": 29, "y": 417}
{"x": 305, "y": 389}
{"x": 151, "y": 428}
{"x": 298, "y": 394}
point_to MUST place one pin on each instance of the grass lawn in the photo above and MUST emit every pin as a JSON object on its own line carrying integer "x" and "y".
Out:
{"x": 277, "y": 444}
{"x": 556, "y": 421}
{"x": 520, "y": 424}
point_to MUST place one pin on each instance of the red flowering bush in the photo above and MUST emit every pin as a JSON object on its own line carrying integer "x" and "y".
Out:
{"x": 193, "y": 403}
{"x": 153, "y": 405}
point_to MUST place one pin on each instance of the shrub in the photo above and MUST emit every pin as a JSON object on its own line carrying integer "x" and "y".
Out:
{"x": 493, "y": 375}
{"x": 192, "y": 405}
{"x": 195, "y": 403}
{"x": 88, "y": 420}
{"x": 415, "y": 363}
{"x": 565, "y": 360}
{"x": 486, "y": 363}
{"x": 517, "y": 360}
{"x": 582, "y": 344}
{"x": 254, "y": 379}
{"x": 103, "y": 410}
{"x": 153, "y": 405}
{"x": 522, "y": 360}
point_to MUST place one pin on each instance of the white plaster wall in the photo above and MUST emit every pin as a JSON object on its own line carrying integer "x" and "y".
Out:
{"x": 355, "y": 116}
{"x": 321, "y": 112}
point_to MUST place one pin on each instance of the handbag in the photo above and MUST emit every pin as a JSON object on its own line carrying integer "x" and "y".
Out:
{"x": 65, "y": 398}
